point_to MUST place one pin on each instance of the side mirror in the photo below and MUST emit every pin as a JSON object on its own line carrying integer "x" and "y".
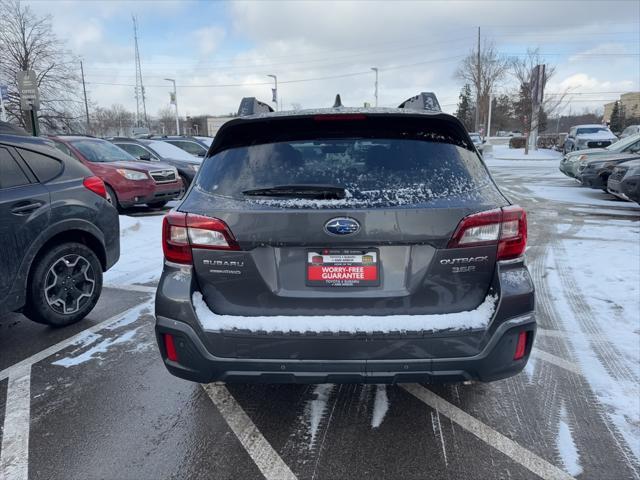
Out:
{"x": 145, "y": 156}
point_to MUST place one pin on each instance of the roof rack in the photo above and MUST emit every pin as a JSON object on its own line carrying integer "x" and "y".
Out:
{"x": 251, "y": 106}
{"x": 422, "y": 101}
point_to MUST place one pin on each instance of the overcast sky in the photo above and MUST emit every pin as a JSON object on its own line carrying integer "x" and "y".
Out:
{"x": 318, "y": 49}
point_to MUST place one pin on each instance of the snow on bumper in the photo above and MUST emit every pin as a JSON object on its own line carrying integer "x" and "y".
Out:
{"x": 477, "y": 318}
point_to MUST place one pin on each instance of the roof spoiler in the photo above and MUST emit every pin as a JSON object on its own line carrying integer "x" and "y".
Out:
{"x": 422, "y": 101}
{"x": 252, "y": 106}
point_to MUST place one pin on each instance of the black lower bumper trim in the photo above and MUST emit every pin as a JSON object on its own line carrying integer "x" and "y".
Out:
{"x": 495, "y": 362}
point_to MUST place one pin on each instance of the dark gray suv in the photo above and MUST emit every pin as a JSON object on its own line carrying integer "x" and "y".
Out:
{"x": 345, "y": 246}
{"x": 58, "y": 233}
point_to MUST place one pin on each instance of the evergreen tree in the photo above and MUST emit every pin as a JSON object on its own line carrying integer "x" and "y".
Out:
{"x": 616, "y": 122}
{"x": 465, "y": 112}
{"x": 522, "y": 107}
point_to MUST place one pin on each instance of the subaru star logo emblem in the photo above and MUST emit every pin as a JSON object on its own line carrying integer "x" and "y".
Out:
{"x": 341, "y": 226}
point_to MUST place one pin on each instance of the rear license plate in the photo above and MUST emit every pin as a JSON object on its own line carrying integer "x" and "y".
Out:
{"x": 343, "y": 268}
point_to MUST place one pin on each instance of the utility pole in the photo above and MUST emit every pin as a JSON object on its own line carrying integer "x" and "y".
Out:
{"x": 175, "y": 102}
{"x": 86, "y": 104}
{"x": 274, "y": 91}
{"x": 375, "y": 69}
{"x": 478, "y": 86}
{"x": 488, "y": 132}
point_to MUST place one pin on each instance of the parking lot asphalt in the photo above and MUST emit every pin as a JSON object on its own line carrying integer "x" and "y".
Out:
{"x": 95, "y": 401}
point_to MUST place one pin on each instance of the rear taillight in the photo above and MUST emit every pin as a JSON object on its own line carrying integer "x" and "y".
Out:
{"x": 506, "y": 227}
{"x": 170, "y": 347}
{"x": 521, "y": 346}
{"x": 96, "y": 185}
{"x": 183, "y": 231}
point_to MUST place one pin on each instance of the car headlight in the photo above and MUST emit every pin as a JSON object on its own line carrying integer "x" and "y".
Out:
{"x": 582, "y": 141}
{"x": 633, "y": 171}
{"x": 582, "y": 157}
{"x": 132, "y": 174}
{"x": 195, "y": 168}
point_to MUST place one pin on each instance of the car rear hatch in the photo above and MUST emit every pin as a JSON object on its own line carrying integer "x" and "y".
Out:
{"x": 342, "y": 215}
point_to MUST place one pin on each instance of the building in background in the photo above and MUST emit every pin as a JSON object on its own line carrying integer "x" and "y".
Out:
{"x": 205, "y": 126}
{"x": 629, "y": 104}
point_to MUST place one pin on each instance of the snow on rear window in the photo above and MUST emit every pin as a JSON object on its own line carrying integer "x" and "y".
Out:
{"x": 372, "y": 172}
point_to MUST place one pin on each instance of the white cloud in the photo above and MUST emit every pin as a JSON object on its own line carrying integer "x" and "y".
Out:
{"x": 208, "y": 39}
{"x": 416, "y": 45}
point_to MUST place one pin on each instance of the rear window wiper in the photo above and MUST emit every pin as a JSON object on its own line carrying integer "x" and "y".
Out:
{"x": 316, "y": 192}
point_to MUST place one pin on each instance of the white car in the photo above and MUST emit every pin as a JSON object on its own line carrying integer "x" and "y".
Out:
{"x": 630, "y": 130}
{"x": 582, "y": 137}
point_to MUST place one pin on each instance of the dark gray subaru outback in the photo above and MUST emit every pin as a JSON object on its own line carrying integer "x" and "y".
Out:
{"x": 345, "y": 246}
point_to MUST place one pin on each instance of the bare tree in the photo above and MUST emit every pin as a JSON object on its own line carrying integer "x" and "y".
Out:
{"x": 27, "y": 42}
{"x": 483, "y": 76}
{"x": 167, "y": 121}
{"x": 521, "y": 68}
{"x": 113, "y": 121}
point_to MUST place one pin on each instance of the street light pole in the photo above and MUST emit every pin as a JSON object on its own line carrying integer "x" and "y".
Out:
{"x": 175, "y": 102}
{"x": 275, "y": 91}
{"x": 375, "y": 69}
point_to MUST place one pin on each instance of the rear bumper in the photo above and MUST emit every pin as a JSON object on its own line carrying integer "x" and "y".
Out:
{"x": 480, "y": 354}
{"x": 495, "y": 362}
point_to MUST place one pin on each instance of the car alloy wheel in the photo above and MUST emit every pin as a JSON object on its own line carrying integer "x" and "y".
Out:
{"x": 69, "y": 284}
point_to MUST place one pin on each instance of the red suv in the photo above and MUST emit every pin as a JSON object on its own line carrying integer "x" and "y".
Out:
{"x": 128, "y": 181}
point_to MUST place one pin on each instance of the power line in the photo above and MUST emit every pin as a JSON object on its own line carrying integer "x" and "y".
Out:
{"x": 313, "y": 79}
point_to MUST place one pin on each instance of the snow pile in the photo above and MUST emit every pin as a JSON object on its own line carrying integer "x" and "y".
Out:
{"x": 567, "y": 447}
{"x": 96, "y": 350}
{"x": 140, "y": 251}
{"x": 503, "y": 152}
{"x": 317, "y": 408}
{"x": 478, "y": 318}
{"x": 380, "y": 406}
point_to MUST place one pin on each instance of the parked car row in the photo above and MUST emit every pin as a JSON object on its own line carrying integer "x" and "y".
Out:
{"x": 595, "y": 167}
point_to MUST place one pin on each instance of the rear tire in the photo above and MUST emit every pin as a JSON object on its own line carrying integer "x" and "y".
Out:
{"x": 64, "y": 285}
{"x": 157, "y": 204}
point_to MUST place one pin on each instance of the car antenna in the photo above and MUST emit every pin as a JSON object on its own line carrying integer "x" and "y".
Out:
{"x": 338, "y": 102}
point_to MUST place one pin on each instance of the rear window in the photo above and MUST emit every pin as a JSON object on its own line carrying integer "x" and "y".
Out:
{"x": 374, "y": 172}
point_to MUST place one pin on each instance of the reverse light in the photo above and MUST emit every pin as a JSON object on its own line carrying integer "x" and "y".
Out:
{"x": 506, "y": 227}
{"x": 521, "y": 346}
{"x": 183, "y": 231}
{"x": 170, "y": 347}
{"x": 96, "y": 185}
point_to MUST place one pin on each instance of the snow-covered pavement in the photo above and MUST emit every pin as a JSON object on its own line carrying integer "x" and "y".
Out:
{"x": 584, "y": 251}
{"x": 573, "y": 412}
